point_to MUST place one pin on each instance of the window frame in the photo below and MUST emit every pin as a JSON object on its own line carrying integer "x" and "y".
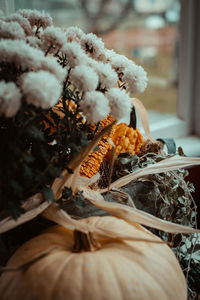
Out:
{"x": 186, "y": 122}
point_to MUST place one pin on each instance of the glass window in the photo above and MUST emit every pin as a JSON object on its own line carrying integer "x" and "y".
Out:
{"x": 146, "y": 31}
{"x": 160, "y": 35}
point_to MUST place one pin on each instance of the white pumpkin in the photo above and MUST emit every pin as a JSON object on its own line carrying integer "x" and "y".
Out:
{"x": 120, "y": 269}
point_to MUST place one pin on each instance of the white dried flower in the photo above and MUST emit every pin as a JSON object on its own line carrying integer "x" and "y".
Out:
{"x": 120, "y": 103}
{"x": 41, "y": 89}
{"x": 92, "y": 45}
{"x": 84, "y": 78}
{"x": 23, "y": 22}
{"x": 108, "y": 54}
{"x": 21, "y": 54}
{"x": 11, "y": 30}
{"x": 107, "y": 76}
{"x": 10, "y": 99}
{"x": 95, "y": 106}
{"x": 52, "y": 39}
{"x": 74, "y": 54}
{"x": 51, "y": 65}
{"x": 136, "y": 79}
{"x": 74, "y": 34}
{"x": 36, "y": 18}
{"x": 119, "y": 62}
{"x": 34, "y": 41}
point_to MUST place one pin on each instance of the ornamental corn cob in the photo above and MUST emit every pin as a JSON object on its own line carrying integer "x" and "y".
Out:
{"x": 125, "y": 139}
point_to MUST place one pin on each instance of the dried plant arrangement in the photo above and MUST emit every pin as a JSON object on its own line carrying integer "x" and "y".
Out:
{"x": 71, "y": 154}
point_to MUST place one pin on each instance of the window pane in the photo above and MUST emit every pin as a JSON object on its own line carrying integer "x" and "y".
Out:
{"x": 146, "y": 31}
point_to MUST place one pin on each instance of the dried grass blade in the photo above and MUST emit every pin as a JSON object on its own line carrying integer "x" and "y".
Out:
{"x": 133, "y": 215}
{"x": 76, "y": 162}
{"x": 142, "y": 112}
{"x": 111, "y": 164}
{"x": 9, "y": 223}
{"x": 166, "y": 165}
{"x": 59, "y": 216}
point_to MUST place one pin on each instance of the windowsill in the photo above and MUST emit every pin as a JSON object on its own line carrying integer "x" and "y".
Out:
{"x": 163, "y": 125}
{"x": 190, "y": 145}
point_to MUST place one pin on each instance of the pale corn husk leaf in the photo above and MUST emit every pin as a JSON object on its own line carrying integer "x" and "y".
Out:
{"x": 33, "y": 202}
{"x": 75, "y": 182}
{"x": 143, "y": 114}
{"x": 74, "y": 164}
{"x": 133, "y": 215}
{"x": 166, "y": 165}
{"x": 59, "y": 216}
{"x": 84, "y": 181}
{"x": 35, "y": 208}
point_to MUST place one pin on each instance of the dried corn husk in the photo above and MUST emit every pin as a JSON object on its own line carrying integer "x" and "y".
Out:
{"x": 116, "y": 209}
{"x": 169, "y": 164}
{"x": 134, "y": 215}
{"x": 34, "y": 207}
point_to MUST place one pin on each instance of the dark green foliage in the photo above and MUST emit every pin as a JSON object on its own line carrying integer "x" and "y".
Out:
{"x": 32, "y": 155}
{"x": 77, "y": 206}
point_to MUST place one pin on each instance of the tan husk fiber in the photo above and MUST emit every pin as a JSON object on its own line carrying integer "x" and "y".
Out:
{"x": 9, "y": 223}
{"x": 59, "y": 216}
{"x": 166, "y": 165}
{"x": 132, "y": 214}
{"x": 121, "y": 269}
{"x": 116, "y": 209}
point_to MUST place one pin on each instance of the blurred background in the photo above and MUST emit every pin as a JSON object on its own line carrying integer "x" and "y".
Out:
{"x": 146, "y": 31}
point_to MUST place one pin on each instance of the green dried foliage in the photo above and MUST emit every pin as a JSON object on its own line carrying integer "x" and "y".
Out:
{"x": 169, "y": 197}
{"x": 32, "y": 156}
{"x": 77, "y": 206}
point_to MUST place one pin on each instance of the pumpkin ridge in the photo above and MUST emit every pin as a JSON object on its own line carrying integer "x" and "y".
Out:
{"x": 153, "y": 275}
{"x": 118, "y": 282}
{"x": 149, "y": 278}
{"x": 60, "y": 272}
{"x": 101, "y": 261}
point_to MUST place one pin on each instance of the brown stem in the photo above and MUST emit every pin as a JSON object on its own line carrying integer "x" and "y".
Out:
{"x": 111, "y": 165}
{"x": 84, "y": 242}
{"x": 170, "y": 241}
{"x": 47, "y": 51}
{"x": 122, "y": 85}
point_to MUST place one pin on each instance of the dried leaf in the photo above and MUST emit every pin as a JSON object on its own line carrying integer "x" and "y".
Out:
{"x": 9, "y": 223}
{"x": 75, "y": 163}
{"x": 54, "y": 213}
{"x": 142, "y": 112}
{"x": 168, "y": 164}
{"x": 133, "y": 215}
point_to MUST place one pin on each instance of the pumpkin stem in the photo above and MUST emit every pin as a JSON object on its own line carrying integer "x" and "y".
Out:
{"x": 84, "y": 242}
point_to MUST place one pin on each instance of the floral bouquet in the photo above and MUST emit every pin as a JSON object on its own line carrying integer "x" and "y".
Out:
{"x": 71, "y": 154}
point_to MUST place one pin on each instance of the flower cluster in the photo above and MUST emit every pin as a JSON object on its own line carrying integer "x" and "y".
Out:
{"x": 45, "y": 58}
{"x": 54, "y": 83}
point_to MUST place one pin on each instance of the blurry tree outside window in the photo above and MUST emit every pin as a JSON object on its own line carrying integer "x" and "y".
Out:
{"x": 146, "y": 31}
